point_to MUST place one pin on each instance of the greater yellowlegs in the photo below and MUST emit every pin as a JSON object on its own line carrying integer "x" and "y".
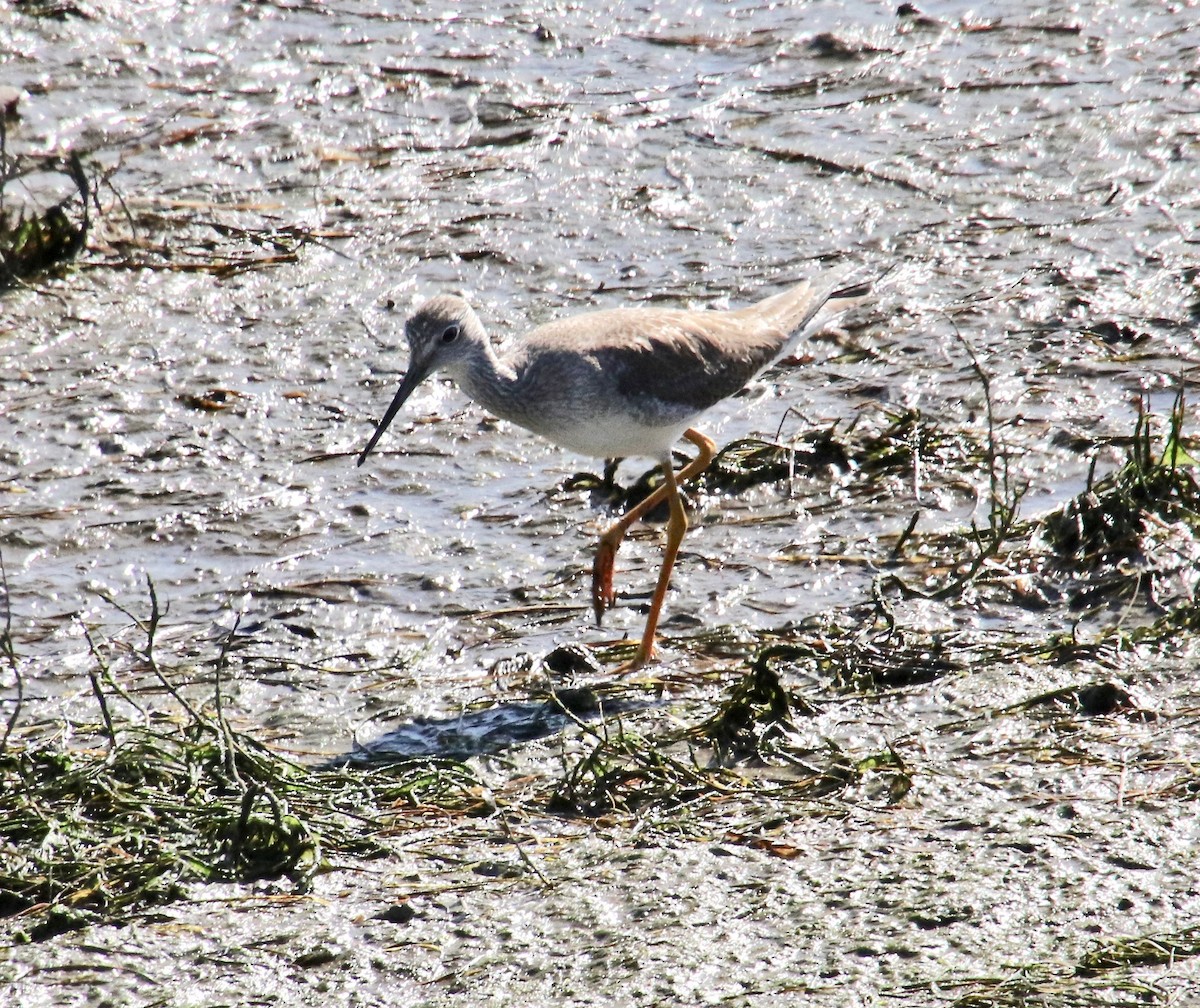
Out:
{"x": 623, "y": 382}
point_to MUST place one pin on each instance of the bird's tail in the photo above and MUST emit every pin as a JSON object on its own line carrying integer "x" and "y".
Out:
{"x": 805, "y": 308}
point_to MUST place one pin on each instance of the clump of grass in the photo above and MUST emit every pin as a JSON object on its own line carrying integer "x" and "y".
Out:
{"x": 33, "y": 241}
{"x": 749, "y": 751}
{"x": 91, "y": 834}
{"x": 1108, "y": 522}
{"x": 1180, "y": 621}
{"x": 907, "y": 443}
{"x": 1100, "y": 977}
{"x": 756, "y": 719}
{"x": 751, "y": 462}
{"x": 1042, "y": 988}
{"x": 1133, "y": 532}
{"x": 1136, "y": 531}
{"x": 853, "y": 661}
{"x": 629, "y": 773}
{"x": 1142, "y": 950}
{"x": 130, "y": 811}
{"x": 910, "y": 442}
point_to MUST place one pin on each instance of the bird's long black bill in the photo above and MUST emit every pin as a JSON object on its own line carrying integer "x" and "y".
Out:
{"x": 407, "y": 386}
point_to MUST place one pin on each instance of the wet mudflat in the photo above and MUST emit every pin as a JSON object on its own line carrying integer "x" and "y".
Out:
{"x": 924, "y": 727}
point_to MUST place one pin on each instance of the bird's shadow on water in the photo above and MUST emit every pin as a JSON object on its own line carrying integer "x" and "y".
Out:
{"x": 487, "y": 731}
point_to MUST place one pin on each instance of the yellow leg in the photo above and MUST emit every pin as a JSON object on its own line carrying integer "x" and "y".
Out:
{"x": 676, "y": 528}
{"x": 603, "y": 595}
{"x": 602, "y": 568}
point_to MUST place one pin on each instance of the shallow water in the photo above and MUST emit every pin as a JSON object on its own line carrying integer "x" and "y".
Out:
{"x": 1032, "y": 178}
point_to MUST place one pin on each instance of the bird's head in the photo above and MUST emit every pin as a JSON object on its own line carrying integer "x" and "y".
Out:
{"x": 442, "y": 336}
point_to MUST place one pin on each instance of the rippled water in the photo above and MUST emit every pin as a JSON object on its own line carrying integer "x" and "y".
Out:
{"x": 1031, "y": 175}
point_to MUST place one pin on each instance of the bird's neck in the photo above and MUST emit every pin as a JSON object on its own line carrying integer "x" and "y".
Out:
{"x": 487, "y": 380}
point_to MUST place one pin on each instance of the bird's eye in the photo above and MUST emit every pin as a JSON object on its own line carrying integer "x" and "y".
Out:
{"x": 450, "y": 333}
{"x": 389, "y": 304}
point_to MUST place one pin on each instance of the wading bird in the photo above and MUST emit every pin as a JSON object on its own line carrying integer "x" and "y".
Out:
{"x": 617, "y": 383}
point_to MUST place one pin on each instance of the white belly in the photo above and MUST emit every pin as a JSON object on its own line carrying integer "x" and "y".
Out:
{"x": 613, "y": 436}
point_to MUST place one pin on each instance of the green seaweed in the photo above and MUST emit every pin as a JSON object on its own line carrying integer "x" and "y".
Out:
{"x": 122, "y": 814}
{"x": 1108, "y": 521}
{"x": 34, "y": 241}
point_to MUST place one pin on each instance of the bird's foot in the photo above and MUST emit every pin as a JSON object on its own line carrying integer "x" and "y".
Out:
{"x": 643, "y": 657}
{"x": 603, "y": 595}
